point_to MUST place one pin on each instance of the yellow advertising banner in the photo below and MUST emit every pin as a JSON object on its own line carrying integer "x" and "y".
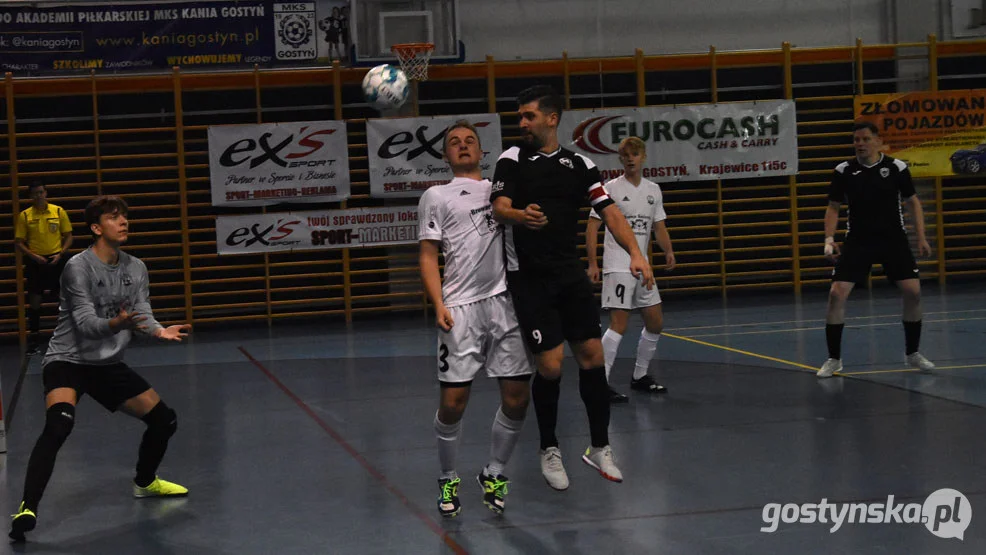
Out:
{"x": 936, "y": 133}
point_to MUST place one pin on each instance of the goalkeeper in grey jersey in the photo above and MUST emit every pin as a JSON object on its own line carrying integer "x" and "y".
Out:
{"x": 104, "y": 300}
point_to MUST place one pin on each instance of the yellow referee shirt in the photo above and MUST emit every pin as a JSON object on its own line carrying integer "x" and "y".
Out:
{"x": 43, "y": 229}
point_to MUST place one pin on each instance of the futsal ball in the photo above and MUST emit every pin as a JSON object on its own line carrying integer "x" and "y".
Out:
{"x": 385, "y": 87}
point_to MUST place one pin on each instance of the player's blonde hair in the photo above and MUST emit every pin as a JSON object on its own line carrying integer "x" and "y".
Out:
{"x": 634, "y": 145}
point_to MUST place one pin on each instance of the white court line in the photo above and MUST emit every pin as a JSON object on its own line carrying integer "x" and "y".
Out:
{"x": 754, "y": 324}
{"x": 911, "y": 370}
{"x": 792, "y": 330}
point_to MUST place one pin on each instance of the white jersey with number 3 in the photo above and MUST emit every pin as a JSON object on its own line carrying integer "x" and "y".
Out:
{"x": 460, "y": 216}
{"x": 642, "y": 205}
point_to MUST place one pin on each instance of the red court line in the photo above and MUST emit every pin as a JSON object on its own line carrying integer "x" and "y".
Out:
{"x": 415, "y": 510}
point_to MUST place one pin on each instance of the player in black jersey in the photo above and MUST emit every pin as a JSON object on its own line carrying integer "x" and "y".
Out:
{"x": 539, "y": 190}
{"x": 873, "y": 185}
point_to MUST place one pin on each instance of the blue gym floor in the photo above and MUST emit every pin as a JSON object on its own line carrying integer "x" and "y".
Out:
{"x": 318, "y": 439}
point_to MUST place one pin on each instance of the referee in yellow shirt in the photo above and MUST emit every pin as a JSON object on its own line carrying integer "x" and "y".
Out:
{"x": 43, "y": 233}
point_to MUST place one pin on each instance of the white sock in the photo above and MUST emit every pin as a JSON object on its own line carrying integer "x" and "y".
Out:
{"x": 506, "y": 432}
{"x": 646, "y": 347}
{"x": 611, "y": 342}
{"x": 448, "y": 446}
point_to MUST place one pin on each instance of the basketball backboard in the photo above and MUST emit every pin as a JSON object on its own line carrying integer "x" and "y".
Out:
{"x": 379, "y": 24}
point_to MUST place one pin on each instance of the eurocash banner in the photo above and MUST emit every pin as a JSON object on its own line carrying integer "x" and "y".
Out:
{"x": 317, "y": 229}
{"x": 690, "y": 143}
{"x": 269, "y": 163}
{"x": 936, "y": 134}
{"x": 52, "y": 37}
{"x": 406, "y": 154}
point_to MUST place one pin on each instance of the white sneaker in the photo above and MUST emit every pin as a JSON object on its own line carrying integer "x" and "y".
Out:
{"x": 552, "y": 468}
{"x": 830, "y": 367}
{"x": 917, "y": 360}
{"x": 601, "y": 458}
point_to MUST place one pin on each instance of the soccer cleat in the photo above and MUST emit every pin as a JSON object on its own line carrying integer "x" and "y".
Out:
{"x": 160, "y": 488}
{"x": 494, "y": 491}
{"x": 552, "y": 468}
{"x": 601, "y": 458}
{"x": 24, "y": 521}
{"x": 448, "y": 500}
{"x": 917, "y": 360}
{"x": 830, "y": 367}
{"x": 617, "y": 397}
{"x": 647, "y": 384}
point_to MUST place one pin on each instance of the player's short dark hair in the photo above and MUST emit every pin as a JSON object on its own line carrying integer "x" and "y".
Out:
{"x": 859, "y": 125}
{"x": 31, "y": 186}
{"x": 103, "y": 205}
{"x": 548, "y": 100}
{"x": 459, "y": 124}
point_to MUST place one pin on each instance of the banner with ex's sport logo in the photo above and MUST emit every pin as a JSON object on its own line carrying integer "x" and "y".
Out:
{"x": 269, "y": 163}
{"x": 317, "y": 229}
{"x": 406, "y": 154}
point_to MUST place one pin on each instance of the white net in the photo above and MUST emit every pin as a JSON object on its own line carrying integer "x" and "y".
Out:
{"x": 414, "y": 59}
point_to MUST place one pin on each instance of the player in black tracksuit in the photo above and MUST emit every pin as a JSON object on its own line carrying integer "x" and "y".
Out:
{"x": 874, "y": 186}
{"x": 538, "y": 192}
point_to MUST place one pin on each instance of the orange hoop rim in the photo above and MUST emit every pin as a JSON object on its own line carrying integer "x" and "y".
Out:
{"x": 412, "y": 48}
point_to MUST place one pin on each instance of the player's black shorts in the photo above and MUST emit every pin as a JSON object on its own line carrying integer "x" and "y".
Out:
{"x": 43, "y": 277}
{"x": 554, "y": 307}
{"x": 858, "y": 257}
{"x": 109, "y": 385}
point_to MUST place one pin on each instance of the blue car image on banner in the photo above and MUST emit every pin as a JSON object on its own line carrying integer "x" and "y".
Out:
{"x": 122, "y": 36}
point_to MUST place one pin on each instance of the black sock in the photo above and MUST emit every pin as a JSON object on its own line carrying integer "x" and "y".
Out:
{"x": 35, "y": 322}
{"x": 833, "y": 335}
{"x": 595, "y": 394}
{"x": 912, "y": 336}
{"x": 544, "y": 393}
{"x": 161, "y": 425}
{"x": 59, "y": 420}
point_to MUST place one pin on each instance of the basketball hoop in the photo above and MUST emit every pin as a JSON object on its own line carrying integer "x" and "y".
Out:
{"x": 414, "y": 57}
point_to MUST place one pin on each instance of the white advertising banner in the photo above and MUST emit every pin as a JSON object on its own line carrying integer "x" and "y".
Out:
{"x": 270, "y": 163}
{"x": 317, "y": 229}
{"x": 406, "y": 154}
{"x": 690, "y": 143}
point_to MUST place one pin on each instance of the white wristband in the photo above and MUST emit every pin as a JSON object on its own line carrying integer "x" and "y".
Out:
{"x": 829, "y": 246}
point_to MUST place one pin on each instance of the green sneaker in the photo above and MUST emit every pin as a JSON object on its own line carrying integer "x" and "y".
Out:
{"x": 448, "y": 501}
{"x": 494, "y": 491}
{"x": 160, "y": 488}
{"x": 24, "y": 521}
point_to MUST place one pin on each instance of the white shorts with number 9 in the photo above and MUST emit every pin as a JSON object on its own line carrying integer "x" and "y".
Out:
{"x": 623, "y": 291}
{"x": 484, "y": 334}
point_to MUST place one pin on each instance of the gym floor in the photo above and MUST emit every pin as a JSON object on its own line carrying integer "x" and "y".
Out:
{"x": 318, "y": 439}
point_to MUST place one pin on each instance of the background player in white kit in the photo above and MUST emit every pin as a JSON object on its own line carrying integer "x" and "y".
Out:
{"x": 642, "y": 204}
{"x": 478, "y": 326}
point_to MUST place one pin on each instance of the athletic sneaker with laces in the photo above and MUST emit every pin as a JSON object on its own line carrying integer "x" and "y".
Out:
{"x": 917, "y": 360}
{"x": 830, "y": 367}
{"x": 160, "y": 488}
{"x": 494, "y": 491}
{"x": 552, "y": 468}
{"x": 601, "y": 458}
{"x": 647, "y": 383}
{"x": 23, "y": 521}
{"x": 448, "y": 499}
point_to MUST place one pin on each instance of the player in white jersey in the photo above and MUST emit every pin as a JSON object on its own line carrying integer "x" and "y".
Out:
{"x": 642, "y": 204}
{"x": 478, "y": 328}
